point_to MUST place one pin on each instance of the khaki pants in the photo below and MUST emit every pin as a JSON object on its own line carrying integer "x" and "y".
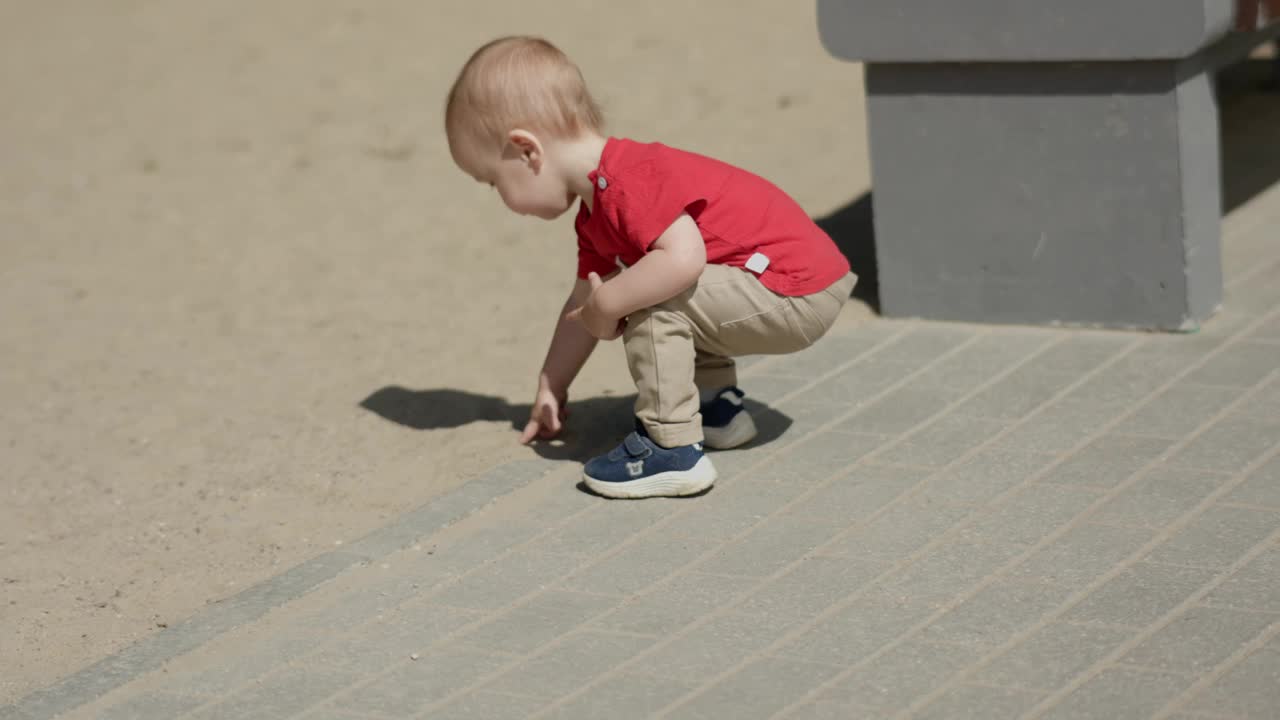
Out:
{"x": 687, "y": 343}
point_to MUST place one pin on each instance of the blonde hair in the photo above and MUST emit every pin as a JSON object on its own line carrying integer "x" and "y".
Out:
{"x": 519, "y": 82}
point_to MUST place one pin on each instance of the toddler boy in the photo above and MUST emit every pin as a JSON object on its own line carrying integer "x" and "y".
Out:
{"x": 689, "y": 260}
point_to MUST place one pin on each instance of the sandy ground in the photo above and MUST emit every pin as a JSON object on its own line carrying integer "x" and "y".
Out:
{"x": 248, "y": 308}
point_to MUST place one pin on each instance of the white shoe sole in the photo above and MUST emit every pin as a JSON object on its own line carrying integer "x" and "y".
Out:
{"x": 740, "y": 431}
{"x": 675, "y": 483}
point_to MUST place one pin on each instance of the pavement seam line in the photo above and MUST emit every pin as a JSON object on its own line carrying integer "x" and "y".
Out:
{"x": 1222, "y": 668}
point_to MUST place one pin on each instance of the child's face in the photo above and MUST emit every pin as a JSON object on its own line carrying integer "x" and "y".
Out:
{"x": 524, "y": 175}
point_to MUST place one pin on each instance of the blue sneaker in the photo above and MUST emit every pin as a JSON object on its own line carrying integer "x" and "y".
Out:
{"x": 725, "y": 422}
{"x": 639, "y": 468}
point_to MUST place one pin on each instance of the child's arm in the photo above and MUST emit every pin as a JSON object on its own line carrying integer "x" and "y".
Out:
{"x": 672, "y": 265}
{"x": 570, "y": 347}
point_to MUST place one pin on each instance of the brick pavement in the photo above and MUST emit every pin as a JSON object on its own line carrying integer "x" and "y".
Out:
{"x": 946, "y": 521}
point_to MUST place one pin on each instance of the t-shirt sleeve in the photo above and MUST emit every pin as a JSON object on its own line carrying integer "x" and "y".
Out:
{"x": 590, "y": 261}
{"x": 648, "y": 207}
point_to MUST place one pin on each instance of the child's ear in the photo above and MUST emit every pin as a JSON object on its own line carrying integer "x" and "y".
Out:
{"x": 527, "y": 144}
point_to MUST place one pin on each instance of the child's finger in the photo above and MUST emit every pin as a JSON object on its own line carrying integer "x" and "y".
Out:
{"x": 531, "y": 430}
{"x": 595, "y": 280}
{"x": 574, "y": 314}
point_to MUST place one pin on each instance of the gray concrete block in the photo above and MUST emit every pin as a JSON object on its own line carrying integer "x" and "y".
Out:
{"x": 1015, "y": 395}
{"x": 1250, "y": 689}
{"x": 897, "y": 678}
{"x": 1218, "y": 537}
{"x": 899, "y": 532}
{"x": 985, "y": 475}
{"x": 949, "y": 570}
{"x": 650, "y": 559}
{"x": 1032, "y": 514}
{"x": 1178, "y": 411}
{"x": 1081, "y": 555}
{"x": 489, "y": 706}
{"x": 409, "y": 688}
{"x": 1256, "y": 586}
{"x": 1243, "y": 366}
{"x": 772, "y": 545}
{"x": 860, "y": 629}
{"x": 1198, "y": 639}
{"x": 1062, "y": 426}
{"x": 1231, "y": 444}
{"x": 899, "y": 411}
{"x": 570, "y": 665}
{"x": 807, "y": 589}
{"x": 975, "y": 702}
{"x": 996, "y": 613}
{"x": 857, "y": 495}
{"x": 1159, "y": 498}
{"x": 943, "y": 441}
{"x": 1051, "y": 657}
{"x": 675, "y": 604}
{"x": 707, "y": 650}
{"x": 640, "y": 697}
{"x": 1108, "y": 461}
{"x": 150, "y": 705}
{"x": 756, "y": 691}
{"x": 1140, "y": 596}
{"x": 541, "y": 620}
{"x": 1119, "y": 693}
{"x": 282, "y": 694}
{"x": 506, "y": 580}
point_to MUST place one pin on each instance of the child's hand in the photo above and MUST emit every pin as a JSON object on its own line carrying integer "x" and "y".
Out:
{"x": 547, "y": 417}
{"x": 596, "y": 323}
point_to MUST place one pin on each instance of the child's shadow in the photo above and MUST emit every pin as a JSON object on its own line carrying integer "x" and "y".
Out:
{"x": 595, "y": 424}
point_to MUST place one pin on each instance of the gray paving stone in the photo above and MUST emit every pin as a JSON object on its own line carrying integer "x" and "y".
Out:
{"x": 640, "y": 697}
{"x": 807, "y": 589}
{"x": 1108, "y": 461}
{"x": 1244, "y": 365}
{"x": 1178, "y": 411}
{"x": 1250, "y": 689}
{"x": 541, "y": 620}
{"x": 601, "y": 529}
{"x": 833, "y": 350}
{"x": 488, "y": 706}
{"x": 1129, "y": 380}
{"x": 943, "y": 441}
{"x": 758, "y": 690}
{"x": 1015, "y": 395}
{"x": 325, "y": 712}
{"x": 150, "y": 705}
{"x": 1080, "y": 353}
{"x": 870, "y": 375}
{"x": 982, "y": 360}
{"x": 408, "y": 689}
{"x": 901, "y": 410}
{"x": 949, "y": 570}
{"x": 822, "y": 455}
{"x": 975, "y": 702}
{"x": 1264, "y": 402}
{"x": 899, "y": 677}
{"x": 506, "y": 580}
{"x": 807, "y": 419}
{"x": 996, "y": 613}
{"x": 1231, "y": 444}
{"x": 1217, "y": 537}
{"x": 569, "y": 665}
{"x": 1032, "y": 514}
{"x": 1140, "y": 595}
{"x": 289, "y": 692}
{"x": 643, "y": 563}
{"x": 378, "y": 644}
{"x": 479, "y": 546}
{"x": 1198, "y": 639}
{"x": 1256, "y": 586}
{"x": 856, "y": 631}
{"x": 772, "y": 545}
{"x": 1119, "y": 693}
{"x": 226, "y": 674}
{"x": 1262, "y": 487}
{"x": 1051, "y": 657}
{"x": 707, "y": 650}
{"x": 899, "y": 532}
{"x": 769, "y": 389}
{"x": 856, "y": 495}
{"x": 1062, "y": 426}
{"x": 674, "y": 604}
{"x": 1082, "y": 554}
{"x": 987, "y": 474}
{"x": 1159, "y": 498}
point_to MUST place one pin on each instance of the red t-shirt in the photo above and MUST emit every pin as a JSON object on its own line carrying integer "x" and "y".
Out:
{"x": 641, "y": 189}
